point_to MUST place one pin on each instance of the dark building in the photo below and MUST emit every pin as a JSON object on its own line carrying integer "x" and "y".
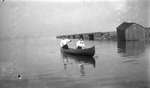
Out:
{"x": 130, "y": 32}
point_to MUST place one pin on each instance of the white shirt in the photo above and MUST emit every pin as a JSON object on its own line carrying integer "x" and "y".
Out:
{"x": 64, "y": 42}
{"x": 80, "y": 43}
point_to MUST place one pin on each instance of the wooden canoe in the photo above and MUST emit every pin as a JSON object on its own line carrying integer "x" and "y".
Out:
{"x": 80, "y": 52}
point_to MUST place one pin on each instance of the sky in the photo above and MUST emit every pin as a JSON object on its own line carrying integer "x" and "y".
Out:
{"x": 56, "y": 17}
{"x": 67, "y": 0}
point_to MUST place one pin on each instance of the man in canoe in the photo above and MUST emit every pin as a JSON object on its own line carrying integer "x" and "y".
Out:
{"x": 80, "y": 44}
{"x": 64, "y": 43}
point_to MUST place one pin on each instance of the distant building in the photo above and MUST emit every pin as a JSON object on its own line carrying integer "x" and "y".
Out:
{"x": 130, "y": 32}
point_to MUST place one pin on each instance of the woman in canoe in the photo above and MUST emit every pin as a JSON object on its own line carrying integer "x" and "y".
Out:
{"x": 80, "y": 44}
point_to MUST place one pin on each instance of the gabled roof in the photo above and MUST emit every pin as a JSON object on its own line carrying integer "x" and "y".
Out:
{"x": 124, "y": 25}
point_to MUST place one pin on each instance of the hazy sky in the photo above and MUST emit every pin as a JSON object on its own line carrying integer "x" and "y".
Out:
{"x": 51, "y": 18}
{"x": 69, "y": 0}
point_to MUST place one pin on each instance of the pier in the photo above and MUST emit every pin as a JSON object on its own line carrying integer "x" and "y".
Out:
{"x": 92, "y": 36}
{"x": 124, "y": 32}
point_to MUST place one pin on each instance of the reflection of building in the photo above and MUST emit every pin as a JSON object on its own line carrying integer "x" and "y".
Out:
{"x": 130, "y": 31}
{"x": 121, "y": 45}
{"x": 131, "y": 48}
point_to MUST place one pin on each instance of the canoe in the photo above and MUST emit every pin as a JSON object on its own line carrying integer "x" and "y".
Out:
{"x": 80, "y": 52}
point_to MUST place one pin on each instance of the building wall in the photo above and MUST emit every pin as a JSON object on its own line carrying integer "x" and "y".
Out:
{"x": 121, "y": 34}
{"x": 135, "y": 32}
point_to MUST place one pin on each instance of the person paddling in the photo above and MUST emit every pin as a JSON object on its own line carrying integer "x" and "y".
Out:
{"x": 64, "y": 43}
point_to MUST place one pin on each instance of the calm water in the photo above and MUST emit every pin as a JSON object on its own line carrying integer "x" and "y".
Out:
{"x": 115, "y": 65}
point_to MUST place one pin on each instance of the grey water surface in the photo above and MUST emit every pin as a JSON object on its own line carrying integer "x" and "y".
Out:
{"x": 41, "y": 65}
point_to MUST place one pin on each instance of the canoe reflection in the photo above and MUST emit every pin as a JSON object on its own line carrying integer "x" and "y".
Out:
{"x": 82, "y": 61}
{"x": 79, "y": 59}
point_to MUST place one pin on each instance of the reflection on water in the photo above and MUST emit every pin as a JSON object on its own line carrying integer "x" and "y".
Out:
{"x": 82, "y": 61}
{"x": 131, "y": 48}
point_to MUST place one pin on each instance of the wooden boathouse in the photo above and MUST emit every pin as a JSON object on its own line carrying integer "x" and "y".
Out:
{"x": 130, "y": 32}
